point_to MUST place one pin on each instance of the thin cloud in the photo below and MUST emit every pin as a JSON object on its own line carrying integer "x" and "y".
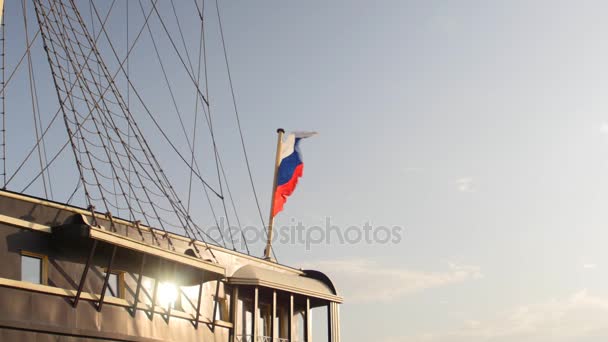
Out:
{"x": 604, "y": 128}
{"x": 413, "y": 169}
{"x": 590, "y": 266}
{"x": 465, "y": 184}
{"x": 364, "y": 280}
{"x": 578, "y": 316}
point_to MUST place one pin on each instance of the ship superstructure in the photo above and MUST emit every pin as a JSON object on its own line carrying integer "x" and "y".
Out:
{"x": 132, "y": 263}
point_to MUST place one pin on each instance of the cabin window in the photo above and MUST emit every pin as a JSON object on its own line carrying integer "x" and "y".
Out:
{"x": 169, "y": 296}
{"x": 223, "y": 302}
{"x": 265, "y": 321}
{"x": 222, "y": 311}
{"x": 299, "y": 319}
{"x": 33, "y": 268}
{"x": 282, "y": 315}
{"x": 244, "y": 311}
{"x": 246, "y": 306}
{"x": 115, "y": 284}
{"x": 281, "y": 320}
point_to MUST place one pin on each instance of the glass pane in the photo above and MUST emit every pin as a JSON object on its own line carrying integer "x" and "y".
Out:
{"x": 31, "y": 269}
{"x": 265, "y": 311}
{"x": 246, "y": 306}
{"x": 300, "y": 326}
{"x": 248, "y": 323}
{"x": 220, "y": 312}
{"x": 282, "y": 319}
{"x": 112, "y": 289}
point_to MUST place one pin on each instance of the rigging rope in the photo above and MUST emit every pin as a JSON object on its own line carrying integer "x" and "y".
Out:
{"x": 116, "y": 166}
{"x": 29, "y": 46}
{"x": 84, "y": 86}
{"x": 238, "y": 120}
{"x": 41, "y": 148}
{"x": 196, "y": 101}
{"x": 158, "y": 126}
{"x": 203, "y": 54}
{"x": 106, "y": 121}
{"x": 149, "y": 113}
{"x": 128, "y": 89}
{"x": 3, "y": 99}
{"x": 181, "y": 121}
{"x": 29, "y": 154}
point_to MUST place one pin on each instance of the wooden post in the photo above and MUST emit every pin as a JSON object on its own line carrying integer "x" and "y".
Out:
{"x": 268, "y": 250}
{"x": 291, "y": 330}
{"x": 216, "y": 302}
{"x": 308, "y": 321}
{"x": 333, "y": 322}
{"x": 256, "y": 313}
{"x": 1, "y": 12}
{"x": 274, "y": 330}
{"x": 235, "y": 313}
{"x": 198, "y": 304}
{"x": 329, "y": 325}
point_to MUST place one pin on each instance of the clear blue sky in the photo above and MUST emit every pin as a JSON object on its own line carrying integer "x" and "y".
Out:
{"x": 479, "y": 127}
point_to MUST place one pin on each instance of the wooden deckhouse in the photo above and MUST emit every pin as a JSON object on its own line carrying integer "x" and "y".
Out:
{"x": 74, "y": 274}
{"x": 67, "y": 275}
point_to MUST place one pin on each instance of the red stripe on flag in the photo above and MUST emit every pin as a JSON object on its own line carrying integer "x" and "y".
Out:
{"x": 285, "y": 190}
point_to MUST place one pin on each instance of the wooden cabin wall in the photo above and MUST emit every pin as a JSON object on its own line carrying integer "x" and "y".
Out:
{"x": 34, "y": 316}
{"x": 27, "y": 315}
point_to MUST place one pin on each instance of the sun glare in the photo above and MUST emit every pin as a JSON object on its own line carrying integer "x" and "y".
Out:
{"x": 167, "y": 294}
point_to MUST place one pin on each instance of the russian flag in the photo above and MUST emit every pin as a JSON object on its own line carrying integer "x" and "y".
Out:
{"x": 290, "y": 169}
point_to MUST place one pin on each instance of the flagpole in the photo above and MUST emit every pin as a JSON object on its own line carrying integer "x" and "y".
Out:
{"x": 268, "y": 249}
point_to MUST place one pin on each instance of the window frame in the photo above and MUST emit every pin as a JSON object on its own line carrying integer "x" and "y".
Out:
{"x": 223, "y": 307}
{"x": 44, "y": 265}
{"x": 120, "y": 279}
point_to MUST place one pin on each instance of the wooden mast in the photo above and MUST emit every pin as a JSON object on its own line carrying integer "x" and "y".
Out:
{"x": 268, "y": 249}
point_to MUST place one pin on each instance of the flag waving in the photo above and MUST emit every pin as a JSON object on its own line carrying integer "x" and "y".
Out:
{"x": 290, "y": 168}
